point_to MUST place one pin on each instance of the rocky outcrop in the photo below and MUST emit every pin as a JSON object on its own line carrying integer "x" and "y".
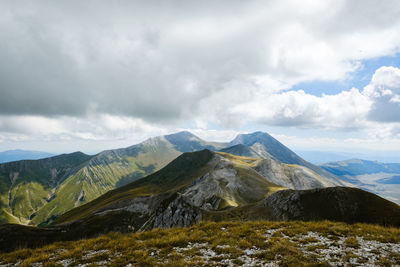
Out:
{"x": 178, "y": 213}
{"x": 293, "y": 176}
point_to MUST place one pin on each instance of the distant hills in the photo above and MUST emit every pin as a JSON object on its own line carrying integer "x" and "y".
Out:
{"x": 322, "y": 157}
{"x": 380, "y": 178}
{"x": 38, "y": 191}
{"x": 14, "y": 155}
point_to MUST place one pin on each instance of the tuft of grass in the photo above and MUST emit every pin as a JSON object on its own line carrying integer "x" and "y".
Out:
{"x": 352, "y": 242}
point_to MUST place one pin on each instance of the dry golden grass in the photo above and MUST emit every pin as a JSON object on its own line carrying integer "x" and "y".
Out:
{"x": 208, "y": 244}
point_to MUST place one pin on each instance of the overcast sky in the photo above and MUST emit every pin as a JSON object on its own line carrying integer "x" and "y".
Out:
{"x": 92, "y": 75}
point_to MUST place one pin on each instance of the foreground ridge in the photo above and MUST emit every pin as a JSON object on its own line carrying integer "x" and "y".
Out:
{"x": 228, "y": 244}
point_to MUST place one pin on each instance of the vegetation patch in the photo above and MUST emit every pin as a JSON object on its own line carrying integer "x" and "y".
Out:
{"x": 226, "y": 244}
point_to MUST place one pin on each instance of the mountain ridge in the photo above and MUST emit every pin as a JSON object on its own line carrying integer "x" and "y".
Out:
{"x": 114, "y": 168}
{"x": 104, "y": 171}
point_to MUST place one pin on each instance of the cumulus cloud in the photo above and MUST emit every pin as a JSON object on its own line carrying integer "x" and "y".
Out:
{"x": 366, "y": 109}
{"x": 384, "y": 91}
{"x": 100, "y": 70}
{"x": 297, "y": 108}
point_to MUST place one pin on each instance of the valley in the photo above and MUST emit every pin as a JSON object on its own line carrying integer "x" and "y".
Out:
{"x": 377, "y": 177}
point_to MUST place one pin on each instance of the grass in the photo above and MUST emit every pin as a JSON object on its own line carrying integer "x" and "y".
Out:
{"x": 74, "y": 173}
{"x": 209, "y": 244}
{"x": 97, "y": 179}
{"x": 182, "y": 171}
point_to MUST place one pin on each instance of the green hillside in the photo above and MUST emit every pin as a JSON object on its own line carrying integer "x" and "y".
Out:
{"x": 190, "y": 170}
{"x": 28, "y": 185}
{"x": 36, "y": 192}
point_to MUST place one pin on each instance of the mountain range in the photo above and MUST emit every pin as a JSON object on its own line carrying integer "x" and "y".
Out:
{"x": 203, "y": 186}
{"x": 18, "y": 154}
{"x": 36, "y": 192}
{"x": 377, "y": 177}
{"x": 322, "y": 157}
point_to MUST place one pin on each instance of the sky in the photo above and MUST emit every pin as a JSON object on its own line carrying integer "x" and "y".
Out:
{"x": 95, "y": 75}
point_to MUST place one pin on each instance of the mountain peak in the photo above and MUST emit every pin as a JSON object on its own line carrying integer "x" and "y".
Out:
{"x": 183, "y": 135}
{"x": 251, "y": 138}
{"x": 271, "y": 145}
{"x": 187, "y": 142}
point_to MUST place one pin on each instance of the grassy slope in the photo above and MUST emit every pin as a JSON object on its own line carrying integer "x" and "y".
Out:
{"x": 253, "y": 185}
{"x": 29, "y": 196}
{"x": 104, "y": 172}
{"x": 25, "y": 185}
{"x": 210, "y": 244}
{"x": 179, "y": 173}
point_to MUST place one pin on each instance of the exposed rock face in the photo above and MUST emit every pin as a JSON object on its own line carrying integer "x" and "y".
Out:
{"x": 265, "y": 146}
{"x": 293, "y": 176}
{"x": 178, "y": 213}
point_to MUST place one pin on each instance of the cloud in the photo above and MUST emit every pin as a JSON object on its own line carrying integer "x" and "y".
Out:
{"x": 384, "y": 91}
{"x": 157, "y": 62}
{"x": 374, "y": 108}
{"x": 127, "y": 70}
{"x": 345, "y": 110}
{"x": 350, "y": 144}
{"x": 100, "y": 127}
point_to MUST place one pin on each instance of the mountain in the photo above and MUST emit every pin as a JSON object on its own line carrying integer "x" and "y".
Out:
{"x": 206, "y": 186}
{"x": 241, "y": 150}
{"x": 354, "y": 167}
{"x": 27, "y": 185}
{"x": 322, "y": 157}
{"x": 29, "y": 196}
{"x": 263, "y": 145}
{"x": 345, "y": 204}
{"x": 14, "y": 155}
{"x": 196, "y": 180}
{"x": 377, "y": 177}
{"x": 212, "y": 185}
